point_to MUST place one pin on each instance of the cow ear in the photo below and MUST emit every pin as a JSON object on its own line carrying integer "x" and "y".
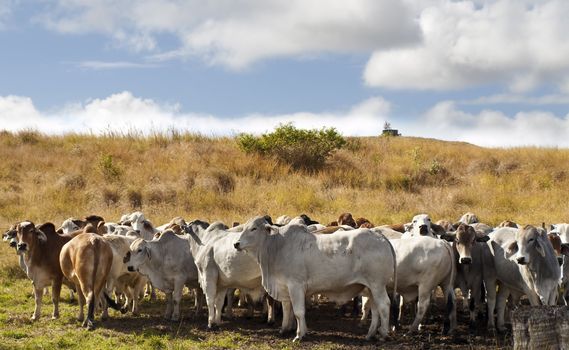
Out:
{"x": 565, "y": 249}
{"x": 41, "y": 236}
{"x": 483, "y": 239}
{"x": 449, "y": 237}
{"x": 270, "y": 229}
{"x": 512, "y": 249}
{"x": 551, "y": 227}
{"x": 408, "y": 227}
{"x": 539, "y": 248}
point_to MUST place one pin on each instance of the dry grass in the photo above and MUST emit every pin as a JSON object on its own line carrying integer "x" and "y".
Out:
{"x": 384, "y": 179}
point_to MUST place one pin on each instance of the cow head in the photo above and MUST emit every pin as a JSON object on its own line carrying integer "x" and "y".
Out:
{"x": 138, "y": 255}
{"x": 464, "y": 238}
{"x": 508, "y": 223}
{"x": 28, "y": 237}
{"x": 307, "y": 220}
{"x": 530, "y": 241}
{"x": 254, "y": 231}
{"x": 71, "y": 225}
{"x": 469, "y": 218}
{"x": 420, "y": 226}
{"x": 10, "y": 236}
{"x": 346, "y": 219}
{"x": 363, "y": 222}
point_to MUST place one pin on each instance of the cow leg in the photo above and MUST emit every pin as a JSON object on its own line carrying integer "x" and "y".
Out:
{"x": 198, "y": 302}
{"x": 38, "y": 294}
{"x": 366, "y": 307}
{"x": 177, "y": 298}
{"x": 380, "y": 301}
{"x": 55, "y": 293}
{"x": 297, "y": 297}
{"x": 229, "y": 304}
{"x": 422, "y": 306}
{"x": 81, "y": 299}
{"x": 168, "y": 312}
{"x": 219, "y": 299}
{"x": 288, "y": 321}
{"x": 270, "y": 304}
{"x": 250, "y": 306}
{"x": 210, "y": 293}
{"x": 501, "y": 299}
{"x": 450, "y": 317}
{"x": 491, "y": 301}
{"x": 91, "y": 301}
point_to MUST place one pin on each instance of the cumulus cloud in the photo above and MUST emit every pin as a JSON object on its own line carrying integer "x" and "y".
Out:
{"x": 520, "y": 44}
{"x": 544, "y": 100}
{"x": 240, "y": 32}
{"x": 5, "y": 11}
{"x": 124, "y": 112}
{"x": 493, "y": 128}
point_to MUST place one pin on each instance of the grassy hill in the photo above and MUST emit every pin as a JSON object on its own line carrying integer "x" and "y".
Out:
{"x": 388, "y": 180}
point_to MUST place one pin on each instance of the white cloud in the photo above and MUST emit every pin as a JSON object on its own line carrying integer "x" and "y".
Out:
{"x": 106, "y": 65}
{"x": 237, "y": 33}
{"x": 544, "y": 100}
{"x": 492, "y": 128}
{"x": 521, "y": 44}
{"x": 5, "y": 11}
{"x": 123, "y": 111}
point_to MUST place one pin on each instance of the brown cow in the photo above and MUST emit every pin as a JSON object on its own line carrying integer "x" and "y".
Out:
{"x": 86, "y": 261}
{"x": 396, "y": 227}
{"x": 346, "y": 219}
{"x": 40, "y": 247}
{"x": 508, "y": 223}
{"x": 555, "y": 241}
{"x": 363, "y": 223}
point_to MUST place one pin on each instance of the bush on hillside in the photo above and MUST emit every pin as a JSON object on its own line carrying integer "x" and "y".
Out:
{"x": 301, "y": 149}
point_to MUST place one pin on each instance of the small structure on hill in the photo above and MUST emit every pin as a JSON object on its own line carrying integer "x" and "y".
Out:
{"x": 388, "y": 131}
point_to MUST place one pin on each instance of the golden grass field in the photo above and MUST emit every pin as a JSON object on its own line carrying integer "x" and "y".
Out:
{"x": 385, "y": 179}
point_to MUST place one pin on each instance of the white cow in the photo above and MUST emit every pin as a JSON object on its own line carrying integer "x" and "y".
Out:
{"x": 423, "y": 264}
{"x": 169, "y": 265}
{"x": 221, "y": 267}
{"x": 131, "y": 284}
{"x": 419, "y": 226}
{"x": 296, "y": 263}
{"x": 524, "y": 262}
{"x": 562, "y": 230}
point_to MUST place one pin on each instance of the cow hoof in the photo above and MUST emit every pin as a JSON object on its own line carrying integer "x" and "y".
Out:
{"x": 212, "y": 327}
{"x": 124, "y": 310}
{"x": 90, "y": 326}
{"x": 55, "y": 316}
{"x": 271, "y": 323}
{"x": 34, "y": 318}
{"x": 297, "y": 339}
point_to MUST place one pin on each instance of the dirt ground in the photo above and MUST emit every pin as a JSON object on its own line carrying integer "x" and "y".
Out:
{"x": 327, "y": 328}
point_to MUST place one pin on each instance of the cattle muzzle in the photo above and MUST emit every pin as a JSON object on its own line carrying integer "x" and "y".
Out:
{"x": 126, "y": 258}
{"x": 560, "y": 260}
{"x": 423, "y": 230}
{"x": 13, "y": 243}
{"x": 130, "y": 268}
{"x": 237, "y": 246}
{"x": 521, "y": 260}
{"x": 466, "y": 260}
{"x": 22, "y": 247}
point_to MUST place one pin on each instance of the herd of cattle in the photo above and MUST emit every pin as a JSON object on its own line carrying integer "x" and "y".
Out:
{"x": 290, "y": 260}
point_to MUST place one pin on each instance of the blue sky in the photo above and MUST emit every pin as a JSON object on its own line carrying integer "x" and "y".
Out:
{"x": 493, "y": 73}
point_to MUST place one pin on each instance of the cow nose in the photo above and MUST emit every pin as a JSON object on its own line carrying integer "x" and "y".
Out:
{"x": 466, "y": 260}
{"x": 130, "y": 268}
{"x": 521, "y": 260}
{"x": 560, "y": 260}
{"x": 22, "y": 246}
{"x": 236, "y": 245}
{"x": 423, "y": 229}
{"x": 13, "y": 244}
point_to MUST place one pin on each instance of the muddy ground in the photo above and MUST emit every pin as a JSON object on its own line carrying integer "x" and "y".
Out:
{"x": 328, "y": 328}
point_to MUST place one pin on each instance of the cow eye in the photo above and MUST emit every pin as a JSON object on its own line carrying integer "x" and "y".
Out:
{"x": 140, "y": 250}
{"x": 253, "y": 229}
{"x": 530, "y": 240}
{"x": 414, "y": 221}
{"x": 428, "y": 219}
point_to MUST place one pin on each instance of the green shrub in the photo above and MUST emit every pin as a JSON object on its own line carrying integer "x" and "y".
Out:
{"x": 109, "y": 168}
{"x": 301, "y": 149}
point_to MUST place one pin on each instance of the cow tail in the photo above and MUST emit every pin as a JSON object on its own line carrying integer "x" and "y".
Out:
{"x": 113, "y": 304}
{"x": 92, "y": 302}
{"x": 394, "y": 300}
